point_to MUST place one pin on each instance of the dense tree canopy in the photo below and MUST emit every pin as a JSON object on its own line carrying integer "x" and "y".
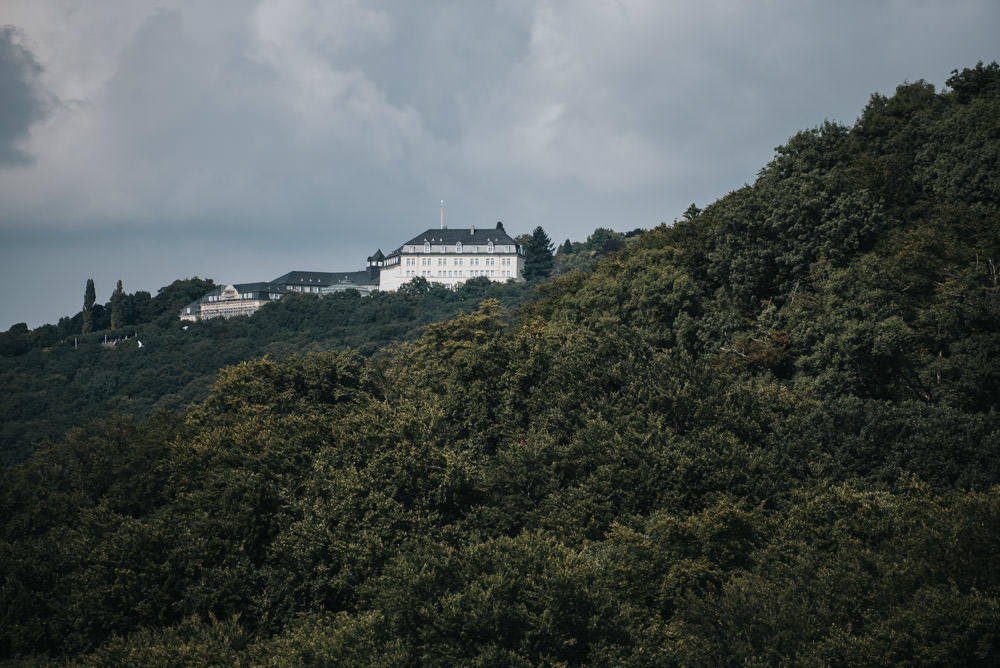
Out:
{"x": 55, "y": 379}
{"x": 766, "y": 435}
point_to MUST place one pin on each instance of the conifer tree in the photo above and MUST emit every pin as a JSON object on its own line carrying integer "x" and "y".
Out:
{"x": 89, "y": 297}
{"x": 538, "y": 259}
{"x": 118, "y": 303}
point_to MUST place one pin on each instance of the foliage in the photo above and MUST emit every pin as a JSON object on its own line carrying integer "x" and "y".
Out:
{"x": 119, "y": 304}
{"x": 537, "y": 255}
{"x": 89, "y": 297}
{"x": 766, "y": 435}
{"x": 55, "y": 378}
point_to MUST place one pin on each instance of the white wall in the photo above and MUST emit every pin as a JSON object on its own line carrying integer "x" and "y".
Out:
{"x": 452, "y": 268}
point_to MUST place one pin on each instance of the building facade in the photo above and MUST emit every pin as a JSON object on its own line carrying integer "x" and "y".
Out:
{"x": 232, "y": 300}
{"x": 451, "y": 257}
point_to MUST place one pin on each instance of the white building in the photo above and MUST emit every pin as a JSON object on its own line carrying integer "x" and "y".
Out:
{"x": 227, "y": 301}
{"x": 451, "y": 257}
{"x": 245, "y": 298}
{"x": 448, "y": 257}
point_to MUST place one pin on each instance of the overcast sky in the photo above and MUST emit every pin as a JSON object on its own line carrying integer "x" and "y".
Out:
{"x": 237, "y": 140}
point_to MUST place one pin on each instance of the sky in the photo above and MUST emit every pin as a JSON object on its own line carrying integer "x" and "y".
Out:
{"x": 241, "y": 139}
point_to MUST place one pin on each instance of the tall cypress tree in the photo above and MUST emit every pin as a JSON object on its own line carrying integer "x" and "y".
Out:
{"x": 118, "y": 306}
{"x": 89, "y": 297}
{"x": 538, "y": 261}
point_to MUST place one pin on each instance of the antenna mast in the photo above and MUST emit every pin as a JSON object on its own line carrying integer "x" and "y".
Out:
{"x": 442, "y": 214}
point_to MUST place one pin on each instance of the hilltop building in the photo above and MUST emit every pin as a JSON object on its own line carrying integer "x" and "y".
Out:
{"x": 446, "y": 256}
{"x": 232, "y": 300}
{"x": 451, "y": 257}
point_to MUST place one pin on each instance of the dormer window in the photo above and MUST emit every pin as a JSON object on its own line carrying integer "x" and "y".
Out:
{"x": 489, "y": 247}
{"x": 427, "y": 247}
{"x": 458, "y": 247}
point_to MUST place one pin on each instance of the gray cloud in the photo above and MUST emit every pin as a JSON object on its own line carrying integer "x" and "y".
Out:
{"x": 23, "y": 104}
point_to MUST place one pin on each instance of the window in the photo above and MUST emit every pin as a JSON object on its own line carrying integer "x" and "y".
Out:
{"x": 427, "y": 247}
{"x": 489, "y": 247}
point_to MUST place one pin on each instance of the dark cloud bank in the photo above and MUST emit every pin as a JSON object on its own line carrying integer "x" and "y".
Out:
{"x": 22, "y": 103}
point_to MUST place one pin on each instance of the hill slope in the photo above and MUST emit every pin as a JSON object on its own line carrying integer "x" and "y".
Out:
{"x": 54, "y": 378}
{"x": 765, "y": 435}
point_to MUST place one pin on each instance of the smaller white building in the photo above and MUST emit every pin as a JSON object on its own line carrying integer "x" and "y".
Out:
{"x": 229, "y": 301}
{"x": 246, "y": 298}
{"x": 451, "y": 257}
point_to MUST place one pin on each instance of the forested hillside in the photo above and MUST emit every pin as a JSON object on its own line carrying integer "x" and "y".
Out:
{"x": 764, "y": 435}
{"x": 55, "y": 378}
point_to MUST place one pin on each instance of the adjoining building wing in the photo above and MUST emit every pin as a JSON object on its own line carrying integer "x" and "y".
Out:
{"x": 325, "y": 282}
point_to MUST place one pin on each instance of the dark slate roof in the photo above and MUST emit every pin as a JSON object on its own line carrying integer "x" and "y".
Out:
{"x": 354, "y": 277}
{"x": 377, "y": 256}
{"x": 467, "y": 235}
{"x": 324, "y": 278}
{"x": 258, "y": 287}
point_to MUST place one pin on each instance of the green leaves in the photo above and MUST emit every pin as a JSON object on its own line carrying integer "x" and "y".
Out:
{"x": 521, "y": 601}
{"x": 765, "y": 435}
